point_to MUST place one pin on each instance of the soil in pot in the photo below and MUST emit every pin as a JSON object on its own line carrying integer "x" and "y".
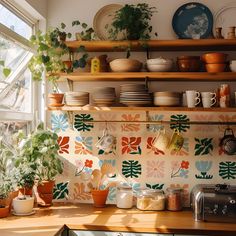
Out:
{"x": 100, "y": 197}
{"x": 55, "y": 99}
{"x": 4, "y": 211}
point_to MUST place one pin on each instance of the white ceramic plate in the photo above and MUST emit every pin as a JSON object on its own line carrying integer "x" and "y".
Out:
{"x": 225, "y": 17}
{"x": 104, "y": 17}
{"x": 25, "y": 214}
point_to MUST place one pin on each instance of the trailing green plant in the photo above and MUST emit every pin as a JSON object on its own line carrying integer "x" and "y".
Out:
{"x": 132, "y": 21}
{"x": 62, "y": 34}
{"x": 85, "y": 32}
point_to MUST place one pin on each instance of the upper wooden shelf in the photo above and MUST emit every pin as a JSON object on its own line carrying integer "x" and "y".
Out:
{"x": 157, "y": 45}
{"x": 152, "y": 76}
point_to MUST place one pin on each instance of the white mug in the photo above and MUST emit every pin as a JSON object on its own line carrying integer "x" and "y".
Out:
{"x": 193, "y": 98}
{"x": 208, "y": 99}
{"x": 162, "y": 140}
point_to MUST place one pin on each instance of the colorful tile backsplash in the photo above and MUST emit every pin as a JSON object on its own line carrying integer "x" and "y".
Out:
{"x": 137, "y": 160}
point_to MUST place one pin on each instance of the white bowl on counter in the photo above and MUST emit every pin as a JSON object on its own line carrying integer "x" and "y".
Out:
{"x": 159, "y": 65}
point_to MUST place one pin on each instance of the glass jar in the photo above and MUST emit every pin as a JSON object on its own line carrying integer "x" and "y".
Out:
{"x": 151, "y": 200}
{"x": 124, "y": 196}
{"x": 174, "y": 199}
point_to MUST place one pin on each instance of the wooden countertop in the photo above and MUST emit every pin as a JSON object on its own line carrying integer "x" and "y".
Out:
{"x": 49, "y": 221}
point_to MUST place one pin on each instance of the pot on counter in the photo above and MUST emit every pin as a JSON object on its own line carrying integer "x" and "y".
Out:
{"x": 228, "y": 142}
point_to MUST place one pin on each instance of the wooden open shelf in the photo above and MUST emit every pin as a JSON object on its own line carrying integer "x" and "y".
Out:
{"x": 156, "y": 45}
{"x": 152, "y": 76}
{"x": 90, "y": 108}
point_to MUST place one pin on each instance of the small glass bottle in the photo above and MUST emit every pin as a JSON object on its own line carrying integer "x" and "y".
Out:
{"x": 151, "y": 200}
{"x": 174, "y": 199}
{"x": 124, "y": 196}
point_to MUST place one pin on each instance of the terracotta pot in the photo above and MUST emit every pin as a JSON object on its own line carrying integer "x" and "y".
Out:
{"x": 55, "y": 99}
{"x": 4, "y": 212}
{"x": 214, "y": 68}
{"x": 27, "y": 191}
{"x": 189, "y": 63}
{"x": 46, "y": 187}
{"x": 99, "y": 197}
{"x": 45, "y": 199}
{"x": 68, "y": 65}
{"x": 214, "y": 58}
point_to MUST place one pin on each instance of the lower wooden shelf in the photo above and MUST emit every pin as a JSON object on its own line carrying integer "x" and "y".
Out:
{"x": 90, "y": 108}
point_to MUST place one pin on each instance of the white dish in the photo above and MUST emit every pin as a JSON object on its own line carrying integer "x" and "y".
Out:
{"x": 159, "y": 61}
{"x": 23, "y": 214}
{"x": 159, "y": 68}
{"x": 225, "y": 17}
{"x": 104, "y": 18}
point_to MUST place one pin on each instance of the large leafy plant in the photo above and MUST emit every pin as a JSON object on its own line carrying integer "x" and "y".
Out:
{"x": 41, "y": 149}
{"x": 133, "y": 22}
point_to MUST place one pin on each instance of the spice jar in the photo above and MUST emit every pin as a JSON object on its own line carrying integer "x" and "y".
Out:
{"x": 124, "y": 196}
{"x": 224, "y": 95}
{"x": 174, "y": 199}
{"x": 151, "y": 200}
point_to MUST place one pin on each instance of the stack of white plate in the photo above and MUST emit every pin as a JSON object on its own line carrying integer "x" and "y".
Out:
{"x": 167, "y": 98}
{"x": 76, "y": 98}
{"x": 104, "y": 96}
{"x": 135, "y": 95}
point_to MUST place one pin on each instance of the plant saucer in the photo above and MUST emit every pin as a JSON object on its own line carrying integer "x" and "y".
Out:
{"x": 24, "y": 214}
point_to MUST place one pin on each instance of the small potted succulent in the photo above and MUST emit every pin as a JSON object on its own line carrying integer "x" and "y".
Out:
{"x": 132, "y": 21}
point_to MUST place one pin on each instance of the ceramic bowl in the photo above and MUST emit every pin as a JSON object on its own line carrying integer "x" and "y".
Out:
{"x": 159, "y": 61}
{"x": 215, "y": 68}
{"x": 125, "y": 65}
{"x": 159, "y": 67}
{"x": 188, "y": 63}
{"x": 166, "y": 99}
{"x": 215, "y": 58}
{"x": 233, "y": 66}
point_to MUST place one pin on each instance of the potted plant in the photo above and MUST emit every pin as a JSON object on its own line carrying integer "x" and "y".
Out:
{"x": 41, "y": 148}
{"x": 4, "y": 199}
{"x": 86, "y": 33}
{"x": 133, "y": 22}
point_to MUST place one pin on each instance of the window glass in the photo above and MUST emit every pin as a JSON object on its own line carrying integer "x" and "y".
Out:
{"x": 15, "y": 23}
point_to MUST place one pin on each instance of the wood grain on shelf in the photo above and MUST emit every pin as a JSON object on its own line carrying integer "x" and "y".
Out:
{"x": 152, "y": 76}
{"x": 156, "y": 45}
{"x": 111, "y": 109}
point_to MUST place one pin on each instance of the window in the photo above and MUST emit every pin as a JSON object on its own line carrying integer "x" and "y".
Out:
{"x": 16, "y": 90}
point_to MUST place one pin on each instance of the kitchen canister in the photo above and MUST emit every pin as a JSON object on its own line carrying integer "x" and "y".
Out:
{"x": 124, "y": 196}
{"x": 174, "y": 199}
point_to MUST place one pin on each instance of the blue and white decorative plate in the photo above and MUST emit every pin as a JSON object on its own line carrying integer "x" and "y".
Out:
{"x": 193, "y": 21}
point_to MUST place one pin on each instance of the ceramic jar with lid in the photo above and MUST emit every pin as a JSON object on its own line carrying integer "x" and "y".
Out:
{"x": 151, "y": 200}
{"x": 174, "y": 199}
{"x": 124, "y": 196}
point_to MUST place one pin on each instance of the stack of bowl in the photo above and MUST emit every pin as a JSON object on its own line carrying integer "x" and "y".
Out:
{"x": 215, "y": 62}
{"x": 104, "y": 96}
{"x": 159, "y": 65}
{"x": 76, "y": 98}
{"x": 135, "y": 95}
{"x": 167, "y": 99}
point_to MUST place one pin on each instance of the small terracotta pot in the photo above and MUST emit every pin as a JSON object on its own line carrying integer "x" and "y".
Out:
{"x": 27, "y": 191}
{"x": 214, "y": 58}
{"x": 46, "y": 199}
{"x": 4, "y": 212}
{"x": 46, "y": 187}
{"x": 68, "y": 65}
{"x": 100, "y": 197}
{"x": 215, "y": 68}
{"x": 55, "y": 99}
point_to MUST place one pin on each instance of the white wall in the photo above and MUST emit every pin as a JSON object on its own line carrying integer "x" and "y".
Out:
{"x": 40, "y": 6}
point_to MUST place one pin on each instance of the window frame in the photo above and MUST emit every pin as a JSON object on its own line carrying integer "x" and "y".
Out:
{"x": 11, "y": 116}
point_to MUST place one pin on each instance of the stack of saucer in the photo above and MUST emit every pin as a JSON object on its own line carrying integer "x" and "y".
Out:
{"x": 104, "y": 96}
{"x": 76, "y": 98}
{"x": 135, "y": 95}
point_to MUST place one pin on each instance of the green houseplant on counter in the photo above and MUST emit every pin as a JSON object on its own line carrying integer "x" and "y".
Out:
{"x": 133, "y": 22}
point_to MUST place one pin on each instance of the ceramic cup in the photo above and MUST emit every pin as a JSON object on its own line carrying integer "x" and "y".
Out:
{"x": 193, "y": 98}
{"x": 208, "y": 99}
{"x": 106, "y": 142}
{"x": 162, "y": 140}
{"x": 176, "y": 142}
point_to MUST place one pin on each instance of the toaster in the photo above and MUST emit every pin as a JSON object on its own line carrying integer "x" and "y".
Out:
{"x": 214, "y": 203}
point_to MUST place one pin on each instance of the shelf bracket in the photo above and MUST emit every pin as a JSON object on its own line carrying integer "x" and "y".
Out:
{"x": 70, "y": 115}
{"x": 147, "y": 53}
{"x": 147, "y": 119}
{"x": 146, "y": 82}
{"x": 69, "y": 84}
